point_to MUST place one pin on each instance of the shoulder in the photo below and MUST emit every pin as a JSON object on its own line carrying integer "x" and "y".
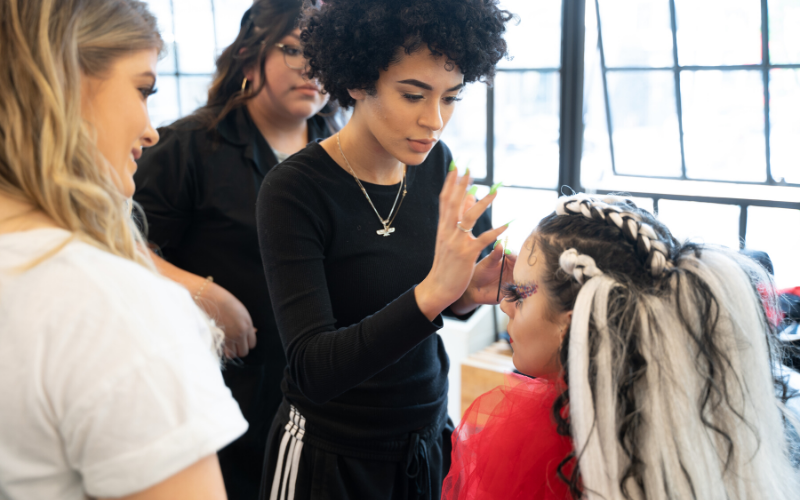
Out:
{"x": 83, "y": 290}
{"x": 307, "y": 167}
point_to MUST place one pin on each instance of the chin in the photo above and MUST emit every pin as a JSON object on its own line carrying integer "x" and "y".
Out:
{"x": 411, "y": 157}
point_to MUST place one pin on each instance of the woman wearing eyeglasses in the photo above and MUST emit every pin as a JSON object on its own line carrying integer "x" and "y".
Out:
{"x": 198, "y": 189}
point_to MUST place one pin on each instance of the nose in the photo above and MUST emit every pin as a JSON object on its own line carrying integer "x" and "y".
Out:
{"x": 505, "y": 306}
{"x": 431, "y": 117}
{"x": 150, "y": 136}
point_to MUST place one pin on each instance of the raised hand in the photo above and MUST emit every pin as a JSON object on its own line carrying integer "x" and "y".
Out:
{"x": 457, "y": 248}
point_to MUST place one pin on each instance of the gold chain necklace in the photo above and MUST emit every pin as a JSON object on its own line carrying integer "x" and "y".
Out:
{"x": 387, "y": 223}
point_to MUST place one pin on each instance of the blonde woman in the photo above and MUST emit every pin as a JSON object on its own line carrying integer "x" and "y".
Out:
{"x": 109, "y": 374}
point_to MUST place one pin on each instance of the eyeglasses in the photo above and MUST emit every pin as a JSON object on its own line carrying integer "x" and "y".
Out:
{"x": 293, "y": 56}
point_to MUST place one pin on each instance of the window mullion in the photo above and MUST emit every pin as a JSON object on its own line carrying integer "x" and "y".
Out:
{"x": 603, "y": 71}
{"x": 571, "y": 106}
{"x": 677, "y": 71}
{"x": 765, "y": 76}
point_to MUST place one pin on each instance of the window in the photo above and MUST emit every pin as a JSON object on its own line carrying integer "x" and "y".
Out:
{"x": 510, "y": 131}
{"x": 690, "y": 102}
{"x": 688, "y": 105}
{"x": 194, "y": 32}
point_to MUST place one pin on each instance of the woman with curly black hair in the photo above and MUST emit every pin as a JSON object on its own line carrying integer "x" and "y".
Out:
{"x": 366, "y": 240}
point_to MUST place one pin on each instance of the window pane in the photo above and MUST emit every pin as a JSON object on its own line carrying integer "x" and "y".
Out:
{"x": 644, "y": 203}
{"x": 194, "y": 92}
{"x": 194, "y": 32}
{"x": 636, "y": 33}
{"x": 540, "y": 27}
{"x": 701, "y": 222}
{"x": 596, "y": 154}
{"x": 784, "y": 37}
{"x": 227, "y": 19}
{"x": 723, "y": 125}
{"x": 163, "y": 105}
{"x": 774, "y": 230}
{"x": 718, "y": 32}
{"x": 784, "y": 96}
{"x": 644, "y": 120}
{"x": 162, "y": 9}
{"x": 526, "y": 129}
{"x": 466, "y": 132}
{"x": 526, "y": 207}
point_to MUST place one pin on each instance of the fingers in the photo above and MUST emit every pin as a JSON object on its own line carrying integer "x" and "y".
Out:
{"x": 452, "y": 197}
{"x": 490, "y": 236}
{"x": 471, "y": 216}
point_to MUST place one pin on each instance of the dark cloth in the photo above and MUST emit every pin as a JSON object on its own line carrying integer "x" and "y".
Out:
{"x": 198, "y": 189}
{"x": 363, "y": 365}
{"x": 413, "y": 467}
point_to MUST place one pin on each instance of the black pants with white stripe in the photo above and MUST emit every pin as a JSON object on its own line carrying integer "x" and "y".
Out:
{"x": 299, "y": 466}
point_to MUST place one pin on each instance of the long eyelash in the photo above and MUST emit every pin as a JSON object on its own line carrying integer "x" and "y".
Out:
{"x": 516, "y": 293}
{"x": 412, "y": 97}
{"x": 510, "y": 292}
{"x": 148, "y": 91}
{"x": 451, "y": 100}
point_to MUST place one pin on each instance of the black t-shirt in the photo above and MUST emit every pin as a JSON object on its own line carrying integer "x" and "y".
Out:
{"x": 198, "y": 189}
{"x": 362, "y": 361}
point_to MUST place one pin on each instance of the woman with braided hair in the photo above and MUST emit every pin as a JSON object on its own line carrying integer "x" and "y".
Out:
{"x": 656, "y": 366}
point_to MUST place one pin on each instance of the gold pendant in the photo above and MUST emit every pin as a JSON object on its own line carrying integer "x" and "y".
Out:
{"x": 386, "y": 231}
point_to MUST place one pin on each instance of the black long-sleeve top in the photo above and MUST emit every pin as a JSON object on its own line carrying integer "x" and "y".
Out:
{"x": 362, "y": 361}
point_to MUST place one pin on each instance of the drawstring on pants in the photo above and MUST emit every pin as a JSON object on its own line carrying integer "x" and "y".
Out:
{"x": 417, "y": 466}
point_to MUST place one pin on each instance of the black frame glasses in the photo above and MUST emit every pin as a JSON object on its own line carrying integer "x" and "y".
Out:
{"x": 284, "y": 48}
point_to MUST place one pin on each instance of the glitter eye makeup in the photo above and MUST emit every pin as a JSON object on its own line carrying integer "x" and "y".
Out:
{"x": 524, "y": 291}
{"x": 519, "y": 291}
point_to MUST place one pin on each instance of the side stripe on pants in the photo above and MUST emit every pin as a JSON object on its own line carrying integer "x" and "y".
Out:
{"x": 285, "y": 477}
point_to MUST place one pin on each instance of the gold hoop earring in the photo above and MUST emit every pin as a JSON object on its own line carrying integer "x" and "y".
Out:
{"x": 244, "y": 84}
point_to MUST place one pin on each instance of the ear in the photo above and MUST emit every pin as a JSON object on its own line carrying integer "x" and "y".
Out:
{"x": 250, "y": 73}
{"x": 566, "y": 322}
{"x": 358, "y": 95}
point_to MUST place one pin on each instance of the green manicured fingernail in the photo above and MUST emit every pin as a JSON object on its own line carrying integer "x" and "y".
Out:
{"x": 495, "y": 187}
{"x": 452, "y": 166}
{"x": 509, "y": 222}
{"x": 495, "y": 244}
{"x": 473, "y": 191}
{"x": 508, "y": 251}
{"x": 466, "y": 174}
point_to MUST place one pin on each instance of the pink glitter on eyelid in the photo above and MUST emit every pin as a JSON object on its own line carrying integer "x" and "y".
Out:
{"x": 524, "y": 291}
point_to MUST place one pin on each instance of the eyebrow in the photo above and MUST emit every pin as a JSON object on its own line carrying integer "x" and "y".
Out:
{"x": 148, "y": 73}
{"x": 425, "y": 86}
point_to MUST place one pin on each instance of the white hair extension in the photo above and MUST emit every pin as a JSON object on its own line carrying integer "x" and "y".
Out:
{"x": 595, "y": 446}
{"x": 682, "y": 456}
{"x": 580, "y": 266}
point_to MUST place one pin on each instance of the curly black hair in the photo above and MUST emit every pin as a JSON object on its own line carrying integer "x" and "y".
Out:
{"x": 348, "y": 42}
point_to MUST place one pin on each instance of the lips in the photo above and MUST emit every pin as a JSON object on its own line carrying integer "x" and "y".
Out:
{"x": 136, "y": 154}
{"x": 421, "y": 145}
{"x": 308, "y": 88}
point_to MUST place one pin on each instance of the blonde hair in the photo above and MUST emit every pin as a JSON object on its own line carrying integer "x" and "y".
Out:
{"x": 48, "y": 155}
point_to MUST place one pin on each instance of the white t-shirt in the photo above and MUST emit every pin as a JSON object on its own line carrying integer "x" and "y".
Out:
{"x": 108, "y": 383}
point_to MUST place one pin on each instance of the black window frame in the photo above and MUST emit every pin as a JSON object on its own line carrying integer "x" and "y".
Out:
{"x": 572, "y": 113}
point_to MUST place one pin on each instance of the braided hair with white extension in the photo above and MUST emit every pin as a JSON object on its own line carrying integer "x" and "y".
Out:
{"x": 669, "y": 361}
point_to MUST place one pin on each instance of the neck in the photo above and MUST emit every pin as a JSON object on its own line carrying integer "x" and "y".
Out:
{"x": 287, "y": 134}
{"x": 370, "y": 161}
{"x": 21, "y": 215}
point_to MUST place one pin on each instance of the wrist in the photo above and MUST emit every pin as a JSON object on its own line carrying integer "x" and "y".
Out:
{"x": 427, "y": 300}
{"x": 203, "y": 288}
{"x": 465, "y": 304}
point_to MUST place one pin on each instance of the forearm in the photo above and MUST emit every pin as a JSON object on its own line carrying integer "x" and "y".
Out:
{"x": 191, "y": 282}
{"x": 328, "y": 363}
